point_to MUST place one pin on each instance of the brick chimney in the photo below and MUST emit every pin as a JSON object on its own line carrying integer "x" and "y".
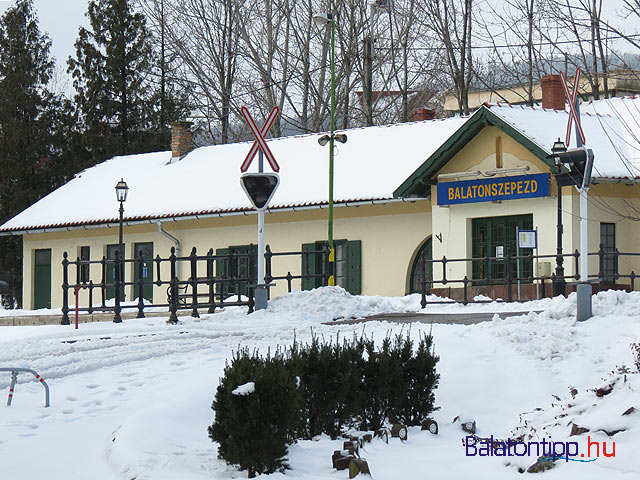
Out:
{"x": 180, "y": 140}
{"x": 423, "y": 113}
{"x": 552, "y": 92}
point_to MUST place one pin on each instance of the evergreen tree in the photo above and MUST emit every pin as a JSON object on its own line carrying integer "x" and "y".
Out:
{"x": 113, "y": 59}
{"x": 29, "y": 113}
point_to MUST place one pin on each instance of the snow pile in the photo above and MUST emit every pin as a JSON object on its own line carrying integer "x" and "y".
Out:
{"x": 133, "y": 400}
{"x": 245, "y": 389}
{"x": 596, "y": 419}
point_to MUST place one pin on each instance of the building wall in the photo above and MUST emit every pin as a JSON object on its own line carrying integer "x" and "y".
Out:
{"x": 452, "y": 235}
{"x": 390, "y": 235}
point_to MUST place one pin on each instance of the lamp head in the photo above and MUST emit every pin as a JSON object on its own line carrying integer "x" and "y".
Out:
{"x": 121, "y": 190}
{"x": 322, "y": 19}
{"x": 340, "y": 137}
{"x": 323, "y": 140}
{"x": 558, "y": 146}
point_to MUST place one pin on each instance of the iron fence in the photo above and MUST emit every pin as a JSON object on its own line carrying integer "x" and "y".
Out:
{"x": 230, "y": 280}
{"x": 608, "y": 276}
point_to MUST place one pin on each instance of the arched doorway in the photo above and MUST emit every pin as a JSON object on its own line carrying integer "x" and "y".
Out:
{"x": 424, "y": 253}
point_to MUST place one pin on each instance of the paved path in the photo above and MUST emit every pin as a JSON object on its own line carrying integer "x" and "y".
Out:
{"x": 447, "y": 318}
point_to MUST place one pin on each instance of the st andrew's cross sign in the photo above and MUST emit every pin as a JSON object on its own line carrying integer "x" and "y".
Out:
{"x": 573, "y": 114}
{"x": 260, "y": 142}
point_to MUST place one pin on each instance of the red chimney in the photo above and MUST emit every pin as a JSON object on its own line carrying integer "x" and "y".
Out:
{"x": 552, "y": 92}
{"x": 423, "y": 113}
{"x": 180, "y": 140}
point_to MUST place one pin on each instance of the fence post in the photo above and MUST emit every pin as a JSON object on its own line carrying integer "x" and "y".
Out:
{"x": 615, "y": 265}
{"x": 465, "y": 282}
{"x": 601, "y": 268}
{"x": 211, "y": 282}
{"x": 633, "y": 280}
{"x": 326, "y": 265}
{"x": 116, "y": 317}
{"x": 267, "y": 267}
{"x": 444, "y": 270}
{"x": 90, "y": 308}
{"x": 289, "y": 279}
{"x": 78, "y": 268}
{"x": 576, "y": 258}
{"x": 509, "y": 277}
{"x": 194, "y": 284}
{"x": 158, "y": 261}
{"x": 173, "y": 286}
{"x": 141, "y": 285}
{"x": 65, "y": 290}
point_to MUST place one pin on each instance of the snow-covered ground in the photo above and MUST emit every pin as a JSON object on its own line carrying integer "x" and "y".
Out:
{"x": 133, "y": 401}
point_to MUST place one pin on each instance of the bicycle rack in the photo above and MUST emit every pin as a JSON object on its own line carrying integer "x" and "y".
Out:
{"x": 14, "y": 378}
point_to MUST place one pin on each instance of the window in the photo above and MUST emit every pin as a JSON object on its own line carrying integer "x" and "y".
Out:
{"x": 84, "y": 267}
{"x": 609, "y": 267}
{"x": 496, "y": 237}
{"x": 244, "y": 267}
{"x": 348, "y": 265}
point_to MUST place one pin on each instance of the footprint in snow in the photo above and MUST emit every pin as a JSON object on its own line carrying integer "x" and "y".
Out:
{"x": 67, "y": 411}
{"x": 71, "y": 398}
{"x": 93, "y": 385}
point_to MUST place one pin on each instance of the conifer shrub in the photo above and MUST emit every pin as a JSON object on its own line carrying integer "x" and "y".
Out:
{"x": 253, "y": 430}
{"x": 320, "y": 387}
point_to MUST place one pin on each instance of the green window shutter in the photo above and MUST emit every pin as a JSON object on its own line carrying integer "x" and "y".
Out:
{"x": 222, "y": 267}
{"x": 310, "y": 266}
{"x": 354, "y": 267}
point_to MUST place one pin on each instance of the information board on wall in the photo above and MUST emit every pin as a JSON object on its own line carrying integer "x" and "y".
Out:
{"x": 492, "y": 189}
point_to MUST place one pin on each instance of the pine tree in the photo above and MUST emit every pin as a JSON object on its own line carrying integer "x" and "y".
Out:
{"x": 28, "y": 117}
{"x": 113, "y": 59}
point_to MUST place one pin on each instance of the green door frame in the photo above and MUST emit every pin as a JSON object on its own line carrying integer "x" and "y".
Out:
{"x": 42, "y": 278}
{"x": 147, "y": 270}
{"x": 490, "y": 233}
{"x": 424, "y": 253}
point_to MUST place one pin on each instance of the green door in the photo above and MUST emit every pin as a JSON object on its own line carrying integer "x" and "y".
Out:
{"x": 496, "y": 237}
{"x": 147, "y": 270}
{"x": 111, "y": 270}
{"x": 425, "y": 253}
{"x": 42, "y": 279}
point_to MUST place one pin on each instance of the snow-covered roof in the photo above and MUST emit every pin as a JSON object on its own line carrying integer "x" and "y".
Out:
{"x": 370, "y": 166}
{"x": 373, "y": 162}
{"x": 611, "y": 128}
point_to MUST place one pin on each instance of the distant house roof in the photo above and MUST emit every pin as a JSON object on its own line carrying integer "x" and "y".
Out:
{"x": 375, "y": 164}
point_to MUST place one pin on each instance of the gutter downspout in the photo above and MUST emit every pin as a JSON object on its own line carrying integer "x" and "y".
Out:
{"x": 175, "y": 241}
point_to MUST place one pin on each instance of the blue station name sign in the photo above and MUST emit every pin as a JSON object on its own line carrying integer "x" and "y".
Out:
{"x": 491, "y": 189}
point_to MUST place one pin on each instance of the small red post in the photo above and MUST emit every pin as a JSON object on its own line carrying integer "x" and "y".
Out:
{"x": 75, "y": 290}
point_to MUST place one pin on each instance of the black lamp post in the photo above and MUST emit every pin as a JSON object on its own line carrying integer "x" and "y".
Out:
{"x": 559, "y": 285}
{"x": 121, "y": 194}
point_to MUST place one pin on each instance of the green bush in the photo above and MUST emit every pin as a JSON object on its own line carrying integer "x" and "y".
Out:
{"x": 253, "y": 430}
{"x": 320, "y": 387}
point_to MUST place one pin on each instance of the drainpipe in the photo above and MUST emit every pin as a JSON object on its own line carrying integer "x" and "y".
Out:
{"x": 175, "y": 241}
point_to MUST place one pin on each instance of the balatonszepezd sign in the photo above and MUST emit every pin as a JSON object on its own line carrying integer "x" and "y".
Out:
{"x": 491, "y": 189}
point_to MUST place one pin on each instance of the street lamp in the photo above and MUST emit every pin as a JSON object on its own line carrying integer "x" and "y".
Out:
{"x": 323, "y": 20}
{"x": 559, "y": 286}
{"x": 121, "y": 194}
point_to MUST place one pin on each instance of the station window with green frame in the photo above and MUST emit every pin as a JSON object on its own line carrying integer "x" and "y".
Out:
{"x": 348, "y": 265}
{"x": 496, "y": 237}
{"x": 241, "y": 267}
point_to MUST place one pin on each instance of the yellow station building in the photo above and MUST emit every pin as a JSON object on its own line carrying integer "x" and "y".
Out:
{"x": 454, "y": 188}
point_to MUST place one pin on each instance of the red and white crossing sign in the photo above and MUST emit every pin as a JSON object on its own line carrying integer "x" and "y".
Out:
{"x": 260, "y": 142}
{"x": 573, "y": 114}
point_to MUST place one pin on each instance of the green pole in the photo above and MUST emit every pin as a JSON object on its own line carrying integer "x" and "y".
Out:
{"x": 332, "y": 280}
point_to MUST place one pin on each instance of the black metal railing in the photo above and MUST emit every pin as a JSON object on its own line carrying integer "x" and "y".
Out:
{"x": 608, "y": 273}
{"x": 228, "y": 280}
